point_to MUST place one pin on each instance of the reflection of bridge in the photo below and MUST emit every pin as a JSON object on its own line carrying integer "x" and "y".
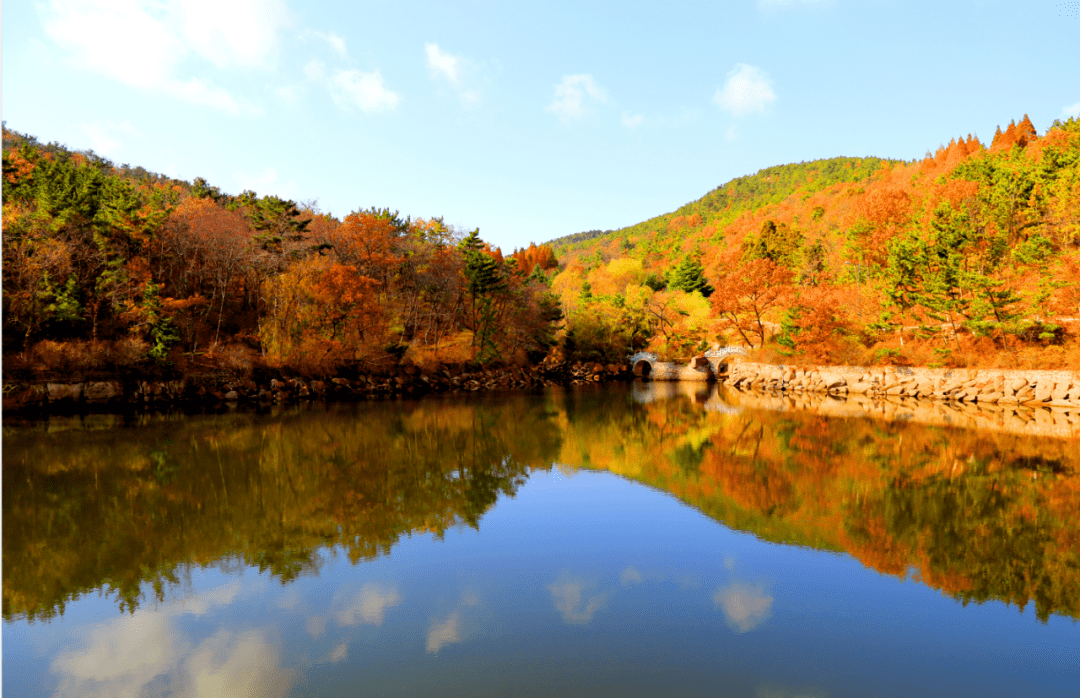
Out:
{"x": 706, "y": 367}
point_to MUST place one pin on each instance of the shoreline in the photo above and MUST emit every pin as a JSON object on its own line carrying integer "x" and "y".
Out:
{"x": 42, "y": 398}
{"x": 1033, "y": 402}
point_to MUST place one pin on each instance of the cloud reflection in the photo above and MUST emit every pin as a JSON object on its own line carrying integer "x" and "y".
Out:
{"x": 445, "y": 633}
{"x": 630, "y": 576}
{"x": 571, "y": 603}
{"x": 369, "y": 606}
{"x": 746, "y": 606}
{"x": 144, "y": 653}
{"x": 339, "y": 653}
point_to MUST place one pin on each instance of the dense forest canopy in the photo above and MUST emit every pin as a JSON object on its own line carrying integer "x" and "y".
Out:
{"x": 109, "y": 268}
{"x": 970, "y": 256}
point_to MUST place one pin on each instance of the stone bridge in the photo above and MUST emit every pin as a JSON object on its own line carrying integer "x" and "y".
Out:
{"x": 707, "y": 367}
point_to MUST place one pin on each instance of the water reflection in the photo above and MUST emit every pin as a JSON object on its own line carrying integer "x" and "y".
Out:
{"x": 147, "y": 653}
{"x": 979, "y": 515}
{"x": 576, "y": 600}
{"x": 746, "y": 606}
{"x": 246, "y": 490}
{"x": 436, "y": 541}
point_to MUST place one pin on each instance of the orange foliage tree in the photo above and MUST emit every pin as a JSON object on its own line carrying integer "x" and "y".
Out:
{"x": 745, "y": 296}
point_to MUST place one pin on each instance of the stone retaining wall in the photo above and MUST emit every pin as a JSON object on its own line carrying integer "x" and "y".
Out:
{"x": 985, "y": 386}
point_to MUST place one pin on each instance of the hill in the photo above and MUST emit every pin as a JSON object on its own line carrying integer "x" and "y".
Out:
{"x": 968, "y": 257}
{"x": 723, "y": 204}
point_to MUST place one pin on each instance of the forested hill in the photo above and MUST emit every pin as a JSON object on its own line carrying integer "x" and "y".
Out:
{"x": 116, "y": 270}
{"x": 967, "y": 257}
{"x": 723, "y": 204}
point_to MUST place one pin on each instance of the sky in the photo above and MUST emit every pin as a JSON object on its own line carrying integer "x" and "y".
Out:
{"x": 526, "y": 120}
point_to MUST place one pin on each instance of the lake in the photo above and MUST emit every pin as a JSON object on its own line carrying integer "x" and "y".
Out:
{"x": 609, "y": 540}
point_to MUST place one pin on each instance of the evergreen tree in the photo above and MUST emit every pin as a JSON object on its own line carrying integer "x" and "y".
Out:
{"x": 689, "y": 276}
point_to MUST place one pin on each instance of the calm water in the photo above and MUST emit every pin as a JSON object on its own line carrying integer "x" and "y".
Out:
{"x": 610, "y": 541}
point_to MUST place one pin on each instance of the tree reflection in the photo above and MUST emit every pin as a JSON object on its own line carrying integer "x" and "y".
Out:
{"x": 127, "y": 509}
{"x": 979, "y": 515}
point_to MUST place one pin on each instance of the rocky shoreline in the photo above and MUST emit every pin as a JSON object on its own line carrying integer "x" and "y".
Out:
{"x": 222, "y": 389}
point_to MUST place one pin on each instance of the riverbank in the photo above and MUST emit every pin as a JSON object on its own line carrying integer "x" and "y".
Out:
{"x": 221, "y": 389}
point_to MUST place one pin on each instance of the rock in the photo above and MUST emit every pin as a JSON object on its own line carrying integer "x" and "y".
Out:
{"x": 101, "y": 391}
{"x": 232, "y": 396}
{"x": 1043, "y": 390}
{"x": 64, "y": 391}
{"x": 1018, "y": 384}
{"x": 1060, "y": 391}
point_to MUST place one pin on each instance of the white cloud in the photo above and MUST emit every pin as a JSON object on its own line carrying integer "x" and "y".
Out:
{"x": 632, "y": 121}
{"x": 353, "y": 88}
{"x": 444, "y": 633}
{"x": 369, "y": 606}
{"x": 105, "y": 136}
{"x": 443, "y": 64}
{"x": 571, "y": 603}
{"x": 458, "y": 72}
{"x": 747, "y": 90}
{"x": 143, "y": 43}
{"x": 746, "y": 606}
{"x": 1071, "y": 111}
{"x": 574, "y": 95}
{"x": 334, "y": 41}
{"x": 232, "y": 33}
{"x": 203, "y": 92}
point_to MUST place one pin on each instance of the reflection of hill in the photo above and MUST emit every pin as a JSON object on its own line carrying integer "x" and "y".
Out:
{"x": 979, "y": 515}
{"x": 86, "y": 509}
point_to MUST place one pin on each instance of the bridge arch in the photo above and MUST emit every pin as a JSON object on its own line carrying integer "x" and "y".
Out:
{"x": 642, "y": 363}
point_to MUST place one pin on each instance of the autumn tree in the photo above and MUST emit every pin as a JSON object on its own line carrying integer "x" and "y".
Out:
{"x": 745, "y": 296}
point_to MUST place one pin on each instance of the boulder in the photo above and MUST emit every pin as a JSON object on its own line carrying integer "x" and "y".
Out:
{"x": 101, "y": 391}
{"x": 64, "y": 391}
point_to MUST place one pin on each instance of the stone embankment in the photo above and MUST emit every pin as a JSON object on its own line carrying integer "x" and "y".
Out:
{"x": 222, "y": 389}
{"x": 1032, "y": 402}
{"x": 1004, "y": 386}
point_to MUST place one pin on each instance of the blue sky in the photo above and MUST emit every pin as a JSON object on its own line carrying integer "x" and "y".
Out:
{"x": 527, "y": 121}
